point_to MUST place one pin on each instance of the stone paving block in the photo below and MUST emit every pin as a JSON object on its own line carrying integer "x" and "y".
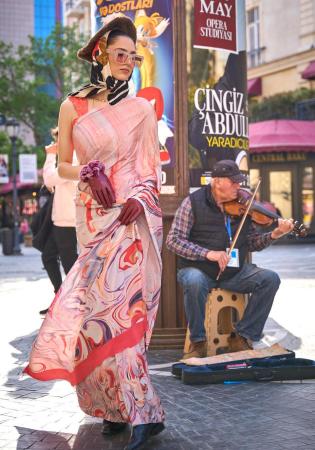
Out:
{"x": 64, "y": 446}
{"x": 252, "y": 416}
{"x": 42, "y": 446}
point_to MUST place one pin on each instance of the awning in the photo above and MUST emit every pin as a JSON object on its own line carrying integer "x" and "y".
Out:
{"x": 282, "y": 136}
{"x": 254, "y": 87}
{"x": 8, "y": 187}
{"x": 309, "y": 72}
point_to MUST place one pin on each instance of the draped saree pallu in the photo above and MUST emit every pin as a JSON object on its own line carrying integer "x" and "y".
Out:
{"x": 100, "y": 322}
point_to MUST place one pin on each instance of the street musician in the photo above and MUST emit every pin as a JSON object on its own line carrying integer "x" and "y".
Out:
{"x": 200, "y": 235}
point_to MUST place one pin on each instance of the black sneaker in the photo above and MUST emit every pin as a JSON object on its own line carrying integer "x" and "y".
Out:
{"x": 110, "y": 428}
{"x": 43, "y": 312}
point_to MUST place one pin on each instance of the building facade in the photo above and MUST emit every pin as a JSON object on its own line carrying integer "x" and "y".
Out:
{"x": 77, "y": 13}
{"x": 12, "y": 28}
{"x": 20, "y": 19}
{"x": 280, "y": 43}
{"x": 281, "y": 59}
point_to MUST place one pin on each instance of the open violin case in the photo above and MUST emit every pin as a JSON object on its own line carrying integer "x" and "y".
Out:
{"x": 278, "y": 367}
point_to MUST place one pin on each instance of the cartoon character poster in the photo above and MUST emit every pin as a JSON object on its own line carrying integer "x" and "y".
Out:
{"x": 154, "y": 79}
{"x": 218, "y": 124}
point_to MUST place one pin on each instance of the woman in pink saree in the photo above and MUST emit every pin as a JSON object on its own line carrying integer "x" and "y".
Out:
{"x": 98, "y": 328}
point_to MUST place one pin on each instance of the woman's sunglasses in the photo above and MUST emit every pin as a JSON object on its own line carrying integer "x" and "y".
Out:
{"x": 121, "y": 56}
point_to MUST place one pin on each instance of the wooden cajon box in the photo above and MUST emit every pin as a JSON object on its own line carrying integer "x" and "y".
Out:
{"x": 223, "y": 310}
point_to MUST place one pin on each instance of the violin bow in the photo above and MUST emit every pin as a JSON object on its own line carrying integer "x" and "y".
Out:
{"x": 241, "y": 224}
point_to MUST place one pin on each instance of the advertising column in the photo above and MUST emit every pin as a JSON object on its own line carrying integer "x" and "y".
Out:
{"x": 155, "y": 78}
{"x": 218, "y": 125}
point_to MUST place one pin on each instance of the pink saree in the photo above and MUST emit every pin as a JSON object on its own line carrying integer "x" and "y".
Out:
{"x": 100, "y": 322}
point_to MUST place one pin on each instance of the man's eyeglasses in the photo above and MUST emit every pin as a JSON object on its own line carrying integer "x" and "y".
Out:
{"x": 122, "y": 56}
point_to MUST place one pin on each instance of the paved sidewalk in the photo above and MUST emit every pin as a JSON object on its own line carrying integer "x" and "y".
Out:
{"x": 252, "y": 416}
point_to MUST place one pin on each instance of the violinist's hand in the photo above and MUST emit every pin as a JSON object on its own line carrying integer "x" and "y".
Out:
{"x": 220, "y": 257}
{"x": 284, "y": 227}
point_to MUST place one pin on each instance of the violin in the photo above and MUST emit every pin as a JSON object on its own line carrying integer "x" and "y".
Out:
{"x": 259, "y": 212}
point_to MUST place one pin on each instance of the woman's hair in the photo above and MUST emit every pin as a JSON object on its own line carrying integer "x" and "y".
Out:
{"x": 54, "y": 133}
{"x": 120, "y": 26}
{"x": 115, "y": 34}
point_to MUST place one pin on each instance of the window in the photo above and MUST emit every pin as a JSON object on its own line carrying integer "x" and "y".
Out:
{"x": 45, "y": 17}
{"x": 307, "y": 196}
{"x": 254, "y": 175}
{"x": 253, "y": 39}
{"x": 281, "y": 192}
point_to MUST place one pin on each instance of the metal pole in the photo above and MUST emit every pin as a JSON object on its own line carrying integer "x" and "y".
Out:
{"x": 16, "y": 237}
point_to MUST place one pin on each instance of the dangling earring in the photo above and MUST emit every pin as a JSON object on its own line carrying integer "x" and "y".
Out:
{"x": 103, "y": 58}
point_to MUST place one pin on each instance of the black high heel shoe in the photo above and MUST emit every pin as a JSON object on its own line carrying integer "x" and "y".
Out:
{"x": 141, "y": 433}
{"x": 110, "y": 428}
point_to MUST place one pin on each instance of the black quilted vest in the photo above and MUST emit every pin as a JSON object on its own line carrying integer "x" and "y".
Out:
{"x": 209, "y": 231}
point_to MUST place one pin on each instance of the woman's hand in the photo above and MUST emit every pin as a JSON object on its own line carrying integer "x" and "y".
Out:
{"x": 102, "y": 190}
{"x": 93, "y": 173}
{"x": 131, "y": 210}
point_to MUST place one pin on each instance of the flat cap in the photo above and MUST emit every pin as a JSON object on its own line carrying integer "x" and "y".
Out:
{"x": 227, "y": 168}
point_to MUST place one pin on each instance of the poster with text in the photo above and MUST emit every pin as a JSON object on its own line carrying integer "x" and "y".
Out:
{"x": 4, "y": 169}
{"x": 218, "y": 110}
{"x": 215, "y": 24}
{"x": 28, "y": 168}
{"x": 155, "y": 78}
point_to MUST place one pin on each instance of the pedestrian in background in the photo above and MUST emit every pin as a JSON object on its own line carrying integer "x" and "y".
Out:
{"x": 24, "y": 229}
{"x": 61, "y": 244}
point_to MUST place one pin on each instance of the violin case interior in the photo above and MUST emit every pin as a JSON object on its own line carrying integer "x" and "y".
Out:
{"x": 274, "y": 368}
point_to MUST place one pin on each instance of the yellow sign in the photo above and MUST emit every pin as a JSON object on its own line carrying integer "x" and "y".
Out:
{"x": 227, "y": 142}
{"x": 123, "y": 7}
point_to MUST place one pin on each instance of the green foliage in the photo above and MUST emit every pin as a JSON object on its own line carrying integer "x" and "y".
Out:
{"x": 5, "y": 144}
{"x": 27, "y": 73}
{"x": 279, "y": 106}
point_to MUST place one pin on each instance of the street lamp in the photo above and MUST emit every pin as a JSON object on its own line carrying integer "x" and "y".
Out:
{"x": 13, "y": 128}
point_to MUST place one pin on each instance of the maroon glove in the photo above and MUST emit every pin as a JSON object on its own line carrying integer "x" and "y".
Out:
{"x": 102, "y": 190}
{"x": 131, "y": 210}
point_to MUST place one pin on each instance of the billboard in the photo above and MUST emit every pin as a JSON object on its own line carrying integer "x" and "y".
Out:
{"x": 218, "y": 111}
{"x": 215, "y": 24}
{"x": 28, "y": 168}
{"x": 155, "y": 78}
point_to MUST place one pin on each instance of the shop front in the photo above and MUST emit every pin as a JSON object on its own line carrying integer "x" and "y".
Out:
{"x": 27, "y": 206}
{"x": 282, "y": 153}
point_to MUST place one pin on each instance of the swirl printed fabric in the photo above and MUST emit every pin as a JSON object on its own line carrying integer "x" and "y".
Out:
{"x": 99, "y": 325}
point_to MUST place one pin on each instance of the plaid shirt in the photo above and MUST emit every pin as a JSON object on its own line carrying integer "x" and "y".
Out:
{"x": 178, "y": 238}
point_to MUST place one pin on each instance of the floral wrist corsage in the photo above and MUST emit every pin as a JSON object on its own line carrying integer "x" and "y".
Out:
{"x": 91, "y": 170}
